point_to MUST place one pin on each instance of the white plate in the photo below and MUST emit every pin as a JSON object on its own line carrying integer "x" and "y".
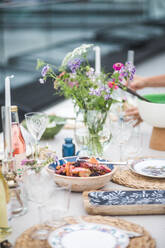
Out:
{"x": 88, "y": 235}
{"x": 149, "y": 167}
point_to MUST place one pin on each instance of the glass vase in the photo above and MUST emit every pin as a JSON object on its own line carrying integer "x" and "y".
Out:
{"x": 92, "y": 132}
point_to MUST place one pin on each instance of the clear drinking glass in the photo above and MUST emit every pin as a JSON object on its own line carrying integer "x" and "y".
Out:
{"x": 36, "y": 123}
{"x": 134, "y": 148}
{"x": 18, "y": 200}
{"x": 40, "y": 188}
{"x": 121, "y": 128}
{"x": 58, "y": 207}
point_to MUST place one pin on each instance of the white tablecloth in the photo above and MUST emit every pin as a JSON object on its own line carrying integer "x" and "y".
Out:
{"x": 155, "y": 224}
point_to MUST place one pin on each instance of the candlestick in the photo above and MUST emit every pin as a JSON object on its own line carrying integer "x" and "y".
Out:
{"x": 97, "y": 60}
{"x": 8, "y": 152}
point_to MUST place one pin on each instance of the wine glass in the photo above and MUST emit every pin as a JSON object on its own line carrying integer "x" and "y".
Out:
{"x": 36, "y": 123}
{"x": 35, "y": 182}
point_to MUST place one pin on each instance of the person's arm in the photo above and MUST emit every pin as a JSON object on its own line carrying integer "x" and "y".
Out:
{"x": 142, "y": 82}
{"x": 134, "y": 114}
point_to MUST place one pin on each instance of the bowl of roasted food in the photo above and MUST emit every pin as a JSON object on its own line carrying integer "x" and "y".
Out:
{"x": 82, "y": 173}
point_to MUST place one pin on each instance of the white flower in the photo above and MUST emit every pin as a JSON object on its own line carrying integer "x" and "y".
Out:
{"x": 41, "y": 80}
{"x": 77, "y": 52}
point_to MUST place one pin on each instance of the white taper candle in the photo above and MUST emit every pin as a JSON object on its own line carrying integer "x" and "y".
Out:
{"x": 97, "y": 59}
{"x": 8, "y": 117}
{"x": 130, "y": 56}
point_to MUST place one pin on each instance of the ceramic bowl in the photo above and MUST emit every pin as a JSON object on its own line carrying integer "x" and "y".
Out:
{"x": 152, "y": 113}
{"x": 80, "y": 184}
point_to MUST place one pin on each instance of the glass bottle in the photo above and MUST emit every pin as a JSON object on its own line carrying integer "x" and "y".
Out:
{"x": 18, "y": 142}
{"x": 5, "y": 229}
{"x": 68, "y": 149}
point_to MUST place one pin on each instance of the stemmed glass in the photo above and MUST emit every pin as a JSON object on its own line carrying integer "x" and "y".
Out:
{"x": 36, "y": 123}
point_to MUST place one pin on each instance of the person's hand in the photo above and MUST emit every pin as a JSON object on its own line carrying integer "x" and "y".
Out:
{"x": 137, "y": 83}
{"x": 134, "y": 113}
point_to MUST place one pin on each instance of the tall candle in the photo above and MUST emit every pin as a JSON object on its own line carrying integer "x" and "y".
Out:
{"x": 97, "y": 60}
{"x": 8, "y": 151}
{"x": 130, "y": 56}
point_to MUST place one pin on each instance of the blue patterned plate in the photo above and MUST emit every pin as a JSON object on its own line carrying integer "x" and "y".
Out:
{"x": 88, "y": 235}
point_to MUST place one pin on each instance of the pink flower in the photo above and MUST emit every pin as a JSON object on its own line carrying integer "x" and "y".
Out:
{"x": 72, "y": 84}
{"x": 110, "y": 84}
{"x": 61, "y": 74}
{"x": 117, "y": 66}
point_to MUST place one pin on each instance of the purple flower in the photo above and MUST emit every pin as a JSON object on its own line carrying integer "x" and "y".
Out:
{"x": 92, "y": 91}
{"x": 107, "y": 97}
{"x": 98, "y": 92}
{"x": 45, "y": 69}
{"x": 74, "y": 65}
{"x": 107, "y": 90}
{"x": 90, "y": 73}
{"x": 56, "y": 160}
{"x": 130, "y": 68}
{"x": 28, "y": 162}
{"x": 103, "y": 90}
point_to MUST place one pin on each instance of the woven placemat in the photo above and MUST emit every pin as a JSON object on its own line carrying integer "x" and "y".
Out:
{"x": 144, "y": 241}
{"x": 130, "y": 179}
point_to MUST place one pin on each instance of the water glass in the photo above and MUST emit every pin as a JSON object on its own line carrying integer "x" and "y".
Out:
{"x": 134, "y": 147}
{"x": 18, "y": 200}
{"x": 58, "y": 208}
{"x": 121, "y": 129}
{"x": 40, "y": 189}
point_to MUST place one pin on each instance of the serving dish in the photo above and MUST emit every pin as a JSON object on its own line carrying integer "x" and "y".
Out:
{"x": 80, "y": 184}
{"x": 88, "y": 235}
{"x": 150, "y": 167}
{"x": 152, "y": 113}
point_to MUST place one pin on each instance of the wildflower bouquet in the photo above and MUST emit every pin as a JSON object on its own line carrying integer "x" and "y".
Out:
{"x": 76, "y": 79}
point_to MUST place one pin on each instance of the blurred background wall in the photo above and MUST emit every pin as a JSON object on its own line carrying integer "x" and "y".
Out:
{"x": 48, "y": 29}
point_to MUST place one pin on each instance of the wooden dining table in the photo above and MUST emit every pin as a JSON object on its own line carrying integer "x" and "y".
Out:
{"x": 154, "y": 224}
